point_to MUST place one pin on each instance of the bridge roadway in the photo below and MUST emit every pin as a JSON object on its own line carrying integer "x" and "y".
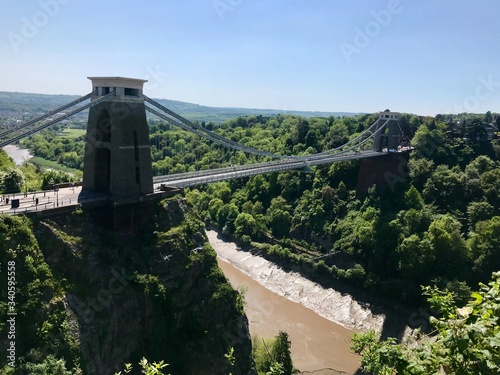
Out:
{"x": 48, "y": 200}
{"x": 222, "y": 174}
{"x": 73, "y": 196}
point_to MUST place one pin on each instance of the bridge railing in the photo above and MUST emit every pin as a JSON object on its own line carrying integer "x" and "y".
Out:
{"x": 222, "y": 174}
{"x": 46, "y": 200}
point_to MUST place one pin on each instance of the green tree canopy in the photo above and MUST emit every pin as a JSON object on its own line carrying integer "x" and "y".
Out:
{"x": 467, "y": 339}
{"x": 12, "y": 181}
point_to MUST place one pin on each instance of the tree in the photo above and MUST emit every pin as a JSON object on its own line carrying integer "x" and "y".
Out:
{"x": 479, "y": 211}
{"x": 70, "y": 159}
{"x": 420, "y": 171}
{"x": 445, "y": 187}
{"x": 481, "y": 164}
{"x": 416, "y": 258}
{"x": 52, "y": 176}
{"x": 467, "y": 339}
{"x": 220, "y": 190}
{"x": 6, "y": 162}
{"x": 213, "y": 207}
{"x": 449, "y": 247}
{"x": 301, "y": 131}
{"x": 413, "y": 199}
{"x": 226, "y": 216}
{"x": 245, "y": 224}
{"x": 290, "y": 185}
{"x": 147, "y": 368}
{"x": 281, "y": 352}
{"x": 312, "y": 138}
{"x": 257, "y": 188}
{"x": 12, "y": 181}
{"x": 50, "y": 365}
{"x": 279, "y": 222}
{"x": 337, "y": 136}
{"x": 490, "y": 183}
{"x": 485, "y": 247}
{"x": 424, "y": 142}
{"x": 355, "y": 234}
{"x": 276, "y": 369}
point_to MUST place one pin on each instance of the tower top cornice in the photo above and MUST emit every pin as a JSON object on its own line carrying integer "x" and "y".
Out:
{"x": 133, "y": 83}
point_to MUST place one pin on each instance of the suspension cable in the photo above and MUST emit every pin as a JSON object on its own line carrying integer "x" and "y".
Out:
{"x": 55, "y": 121}
{"x": 201, "y": 131}
{"x": 47, "y": 115}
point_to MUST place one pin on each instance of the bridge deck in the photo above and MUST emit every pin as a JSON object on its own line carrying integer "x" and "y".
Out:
{"x": 73, "y": 196}
{"x": 48, "y": 200}
{"x": 228, "y": 173}
{"x": 64, "y": 198}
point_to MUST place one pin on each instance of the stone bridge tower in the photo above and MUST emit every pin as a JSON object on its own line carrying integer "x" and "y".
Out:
{"x": 388, "y": 170}
{"x": 117, "y": 150}
{"x": 388, "y": 137}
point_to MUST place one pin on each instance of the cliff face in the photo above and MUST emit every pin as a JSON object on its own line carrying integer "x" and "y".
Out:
{"x": 98, "y": 299}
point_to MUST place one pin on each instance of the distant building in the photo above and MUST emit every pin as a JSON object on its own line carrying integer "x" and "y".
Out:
{"x": 471, "y": 132}
{"x": 454, "y": 129}
{"x": 490, "y": 131}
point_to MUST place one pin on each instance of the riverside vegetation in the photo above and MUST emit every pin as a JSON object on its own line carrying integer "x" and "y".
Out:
{"x": 438, "y": 224}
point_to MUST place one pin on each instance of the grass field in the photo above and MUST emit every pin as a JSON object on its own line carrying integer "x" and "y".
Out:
{"x": 73, "y": 133}
{"x": 54, "y": 165}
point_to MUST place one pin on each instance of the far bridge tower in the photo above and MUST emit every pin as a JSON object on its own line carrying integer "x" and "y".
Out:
{"x": 388, "y": 137}
{"x": 117, "y": 150}
{"x": 388, "y": 170}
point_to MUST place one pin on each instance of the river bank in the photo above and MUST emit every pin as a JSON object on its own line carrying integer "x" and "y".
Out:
{"x": 340, "y": 308}
{"x": 277, "y": 300}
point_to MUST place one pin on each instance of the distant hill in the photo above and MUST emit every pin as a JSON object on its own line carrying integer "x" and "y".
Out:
{"x": 16, "y": 104}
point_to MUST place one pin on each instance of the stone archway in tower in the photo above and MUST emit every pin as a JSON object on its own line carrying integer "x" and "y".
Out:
{"x": 102, "y": 170}
{"x": 103, "y": 128}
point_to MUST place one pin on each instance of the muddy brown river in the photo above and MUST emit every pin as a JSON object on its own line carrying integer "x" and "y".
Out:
{"x": 317, "y": 343}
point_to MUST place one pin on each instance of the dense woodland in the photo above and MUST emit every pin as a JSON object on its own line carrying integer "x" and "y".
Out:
{"x": 437, "y": 223}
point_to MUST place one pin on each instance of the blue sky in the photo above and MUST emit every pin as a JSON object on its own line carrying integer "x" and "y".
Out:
{"x": 424, "y": 57}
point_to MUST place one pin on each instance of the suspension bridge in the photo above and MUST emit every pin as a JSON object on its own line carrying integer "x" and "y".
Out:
{"x": 117, "y": 162}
